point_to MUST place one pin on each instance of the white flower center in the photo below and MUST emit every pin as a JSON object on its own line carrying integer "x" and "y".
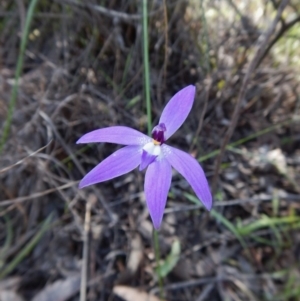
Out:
{"x": 152, "y": 149}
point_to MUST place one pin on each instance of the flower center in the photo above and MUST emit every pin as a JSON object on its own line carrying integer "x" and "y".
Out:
{"x": 150, "y": 152}
{"x": 152, "y": 149}
{"x": 158, "y": 134}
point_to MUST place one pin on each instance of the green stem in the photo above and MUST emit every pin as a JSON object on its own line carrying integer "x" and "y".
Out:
{"x": 157, "y": 260}
{"x": 146, "y": 64}
{"x": 13, "y": 98}
{"x": 149, "y": 123}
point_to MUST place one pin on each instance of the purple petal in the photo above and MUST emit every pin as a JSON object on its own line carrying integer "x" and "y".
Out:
{"x": 157, "y": 185}
{"x": 191, "y": 170}
{"x": 120, "y": 162}
{"x": 146, "y": 160}
{"x": 177, "y": 110}
{"x": 116, "y": 134}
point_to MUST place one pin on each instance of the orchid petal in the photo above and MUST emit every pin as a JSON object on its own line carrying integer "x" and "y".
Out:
{"x": 116, "y": 134}
{"x": 177, "y": 110}
{"x": 157, "y": 184}
{"x": 146, "y": 160}
{"x": 120, "y": 162}
{"x": 191, "y": 170}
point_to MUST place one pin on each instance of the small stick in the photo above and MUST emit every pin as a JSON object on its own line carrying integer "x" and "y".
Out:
{"x": 24, "y": 159}
{"x": 85, "y": 252}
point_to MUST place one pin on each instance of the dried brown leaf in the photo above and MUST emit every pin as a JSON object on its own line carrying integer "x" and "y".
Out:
{"x": 129, "y": 294}
{"x": 60, "y": 290}
{"x": 9, "y": 296}
{"x": 11, "y": 283}
{"x": 134, "y": 259}
{"x": 136, "y": 254}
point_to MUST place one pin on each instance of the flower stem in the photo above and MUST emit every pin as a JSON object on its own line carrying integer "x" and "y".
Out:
{"x": 157, "y": 260}
{"x": 149, "y": 123}
{"x": 146, "y": 64}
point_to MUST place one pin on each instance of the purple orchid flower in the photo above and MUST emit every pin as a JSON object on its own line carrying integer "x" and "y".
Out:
{"x": 143, "y": 151}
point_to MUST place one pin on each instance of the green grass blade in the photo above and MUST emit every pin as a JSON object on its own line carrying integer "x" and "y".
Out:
{"x": 266, "y": 222}
{"x": 246, "y": 139}
{"x": 13, "y": 98}
{"x": 206, "y": 43}
{"x": 8, "y": 240}
{"x": 133, "y": 102}
{"x": 27, "y": 249}
{"x": 126, "y": 68}
{"x": 230, "y": 226}
{"x": 146, "y": 65}
{"x": 221, "y": 219}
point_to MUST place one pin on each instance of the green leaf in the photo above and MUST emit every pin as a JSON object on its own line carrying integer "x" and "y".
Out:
{"x": 133, "y": 102}
{"x": 170, "y": 262}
